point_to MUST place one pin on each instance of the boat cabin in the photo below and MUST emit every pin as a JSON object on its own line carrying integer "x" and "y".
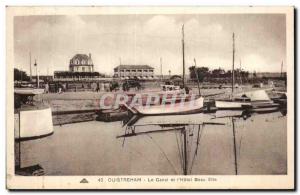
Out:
{"x": 170, "y": 88}
{"x": 243, "y": 98}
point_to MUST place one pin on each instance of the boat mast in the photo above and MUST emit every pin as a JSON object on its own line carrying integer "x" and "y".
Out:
{"x": 161, "y": 75}
{"x": 196, "y": 72}
{"x": 30, "y": 66}
{"x": 281, "y": 68}
{"x": 233, "y": 50}
{"x": 37, "y": 75}
{"x": 183, "y": 60}
{"x": 240, "y": 72}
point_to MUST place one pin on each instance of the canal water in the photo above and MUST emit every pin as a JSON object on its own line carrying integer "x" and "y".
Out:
{"x": 155, "y": 146}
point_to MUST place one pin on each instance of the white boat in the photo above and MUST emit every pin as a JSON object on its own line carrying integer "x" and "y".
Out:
{"x": 184, "y": 107}
{"x": 257, "y": 100}
{"x": 33, "y": 119}
{"x": 232, "y": 104}
{"x": 261, "y": 102}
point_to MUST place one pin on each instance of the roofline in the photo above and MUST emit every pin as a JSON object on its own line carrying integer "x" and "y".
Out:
{"x": 118, "y": 67}
{"x": 81, "y": 65}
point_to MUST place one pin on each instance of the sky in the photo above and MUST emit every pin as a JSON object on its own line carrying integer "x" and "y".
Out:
{"x": 260, "y": 41}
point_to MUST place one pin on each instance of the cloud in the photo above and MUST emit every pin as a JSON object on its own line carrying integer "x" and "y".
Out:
{"x": 254, "y": 62}
{"x": 143, "y": 39}
{"x": 161, "y": 26}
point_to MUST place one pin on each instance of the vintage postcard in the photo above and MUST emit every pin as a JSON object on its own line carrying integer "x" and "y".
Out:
{"x": 150, "y": 97}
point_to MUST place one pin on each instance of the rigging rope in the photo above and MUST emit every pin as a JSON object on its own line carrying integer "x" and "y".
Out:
{"x": 179, "y": 151}
{"x": 163, "y": 153}
{"x": 198, "y": 145}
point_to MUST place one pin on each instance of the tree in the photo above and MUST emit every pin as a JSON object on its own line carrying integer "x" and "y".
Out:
{"x": 254, "y": 74}
{"x": 20, "y": 75}
{"x": 218, "y": 73}
{"x": 202, "y": 72}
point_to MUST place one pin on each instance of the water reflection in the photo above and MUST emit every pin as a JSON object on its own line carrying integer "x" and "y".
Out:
{"x": 188, "y": 130}
{"x": 197, "y": 144}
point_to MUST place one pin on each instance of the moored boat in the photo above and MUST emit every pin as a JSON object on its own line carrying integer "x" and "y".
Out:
{"x": 184, "y": 107}
{"x": 261, "y": 102}
{"x": 233, "y": 104}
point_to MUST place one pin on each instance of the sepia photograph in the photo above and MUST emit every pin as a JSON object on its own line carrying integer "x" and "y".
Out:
{"x": 150, "y": 97}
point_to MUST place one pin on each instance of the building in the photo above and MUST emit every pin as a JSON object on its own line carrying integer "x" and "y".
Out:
{"x": 81, "y": 63}
{"x": 134, "y": 71}
{"x": 80, "y": 67}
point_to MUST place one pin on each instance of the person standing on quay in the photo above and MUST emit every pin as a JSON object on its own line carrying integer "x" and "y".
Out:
{"x": 47, "y": 88}
{"x": 98, "y": 87}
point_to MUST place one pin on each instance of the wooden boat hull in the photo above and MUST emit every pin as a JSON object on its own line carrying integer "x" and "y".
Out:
{"x": 189, "y": 107}
{"x": 32, "y": 124}
{"x": 232, "y": 105}
{"x": 265, "y": 107}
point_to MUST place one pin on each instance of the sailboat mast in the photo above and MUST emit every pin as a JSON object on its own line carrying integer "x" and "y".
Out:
{"x": 196, "y": 72}
{"x": 281, "y": 68}
{"x": 183, "y": 60}
{"x": 161, "y": 75}
{"x": 240, "y": 72}
{"x": 233, "y": 51}
{"x": 30, "y": 66}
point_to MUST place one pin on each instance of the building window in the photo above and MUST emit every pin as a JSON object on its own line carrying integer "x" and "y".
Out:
{"x": 83, "y": 69}
{"x": 76, "y": 68}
